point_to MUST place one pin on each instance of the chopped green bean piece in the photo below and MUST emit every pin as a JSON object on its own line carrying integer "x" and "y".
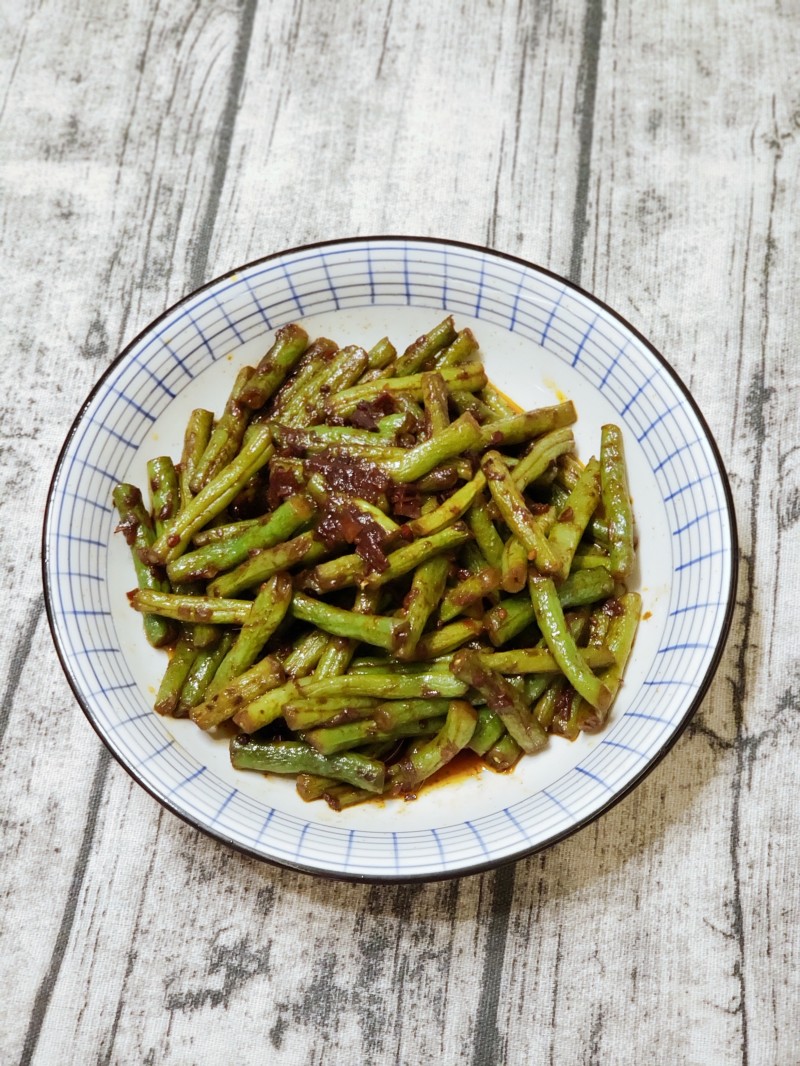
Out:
{"x": 435, "y": 402}
{"x": 332, "y": 739}
{"x": 550, "y": 619}
{"x": 566, "y": 533}
{"x": 419, "y": 765}
{"x": 621, "y": 635}
{"x": 468, "y": 378}
{"x": 504, "y": 755}
{"x": 195, "y": 442}
{"x": 516, "y": 514}
{"x": 372, "y": 629}
{"x": 317, "y": 358}
{"x": 425, "y": 347}
{"x": 448, "y": 512}
{"x": 513, "y": 615}
{"x": 214, "y": 497}
{"x": 488, "y": 539}
{"x": 202, "y": 673}
{"x": 517, "y": 428}
{"x": 448, "y": 638}
{"x": 459, "y": 351}
{"x": 502, "y": 698}
{"x": 381, "y": 354}
{"x": 273, "y": 529}
{"x": 162, "y": 478}
{"x": 488, "y": 731}
{"x": 616, "y": 502}
{"x": 237, "y": 693}
{"x": 177, "y": 671}
{"x": 514, "y": 565}
{"x": 302, "y": 714}
{"x": 267, "y": 708}
{"x": 136, "y": 526}
{"x": 469, "y": 591}
{"x": 266, "y": 614}
{"x": 305, "y": 655}
{"x": 227, "y": 435}
{"x": 290, "y": 343}
{"x": 427, "y": 588}
{"x": 541, "y": 455}
{"x": 190, "y": 608}
{"x": 304, "y": 548}
{"x": 294, "y": 757}
{"x": 394, "y": 713}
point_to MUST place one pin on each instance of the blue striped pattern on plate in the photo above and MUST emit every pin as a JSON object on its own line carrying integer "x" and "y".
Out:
{"x": 650, "y": 403}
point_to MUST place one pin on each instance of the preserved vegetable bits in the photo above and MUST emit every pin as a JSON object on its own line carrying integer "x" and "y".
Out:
{"x": 371, "y": 561}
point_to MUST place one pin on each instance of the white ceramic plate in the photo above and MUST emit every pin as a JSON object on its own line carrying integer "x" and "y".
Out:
{"x": 541, "y": 337}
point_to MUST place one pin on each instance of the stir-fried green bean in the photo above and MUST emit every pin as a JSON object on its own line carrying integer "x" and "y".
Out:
{"x": 464, "y": 528}
{"x": 137, "y": 527}
{"x": 616, "y": 501}
{"x": 516, "y": 513}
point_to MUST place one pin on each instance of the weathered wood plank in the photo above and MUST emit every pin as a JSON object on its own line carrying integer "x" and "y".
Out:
{"x": 413, "y": 120}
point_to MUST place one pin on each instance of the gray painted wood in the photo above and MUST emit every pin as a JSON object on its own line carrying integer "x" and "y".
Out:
{"x": 652, "y": 156}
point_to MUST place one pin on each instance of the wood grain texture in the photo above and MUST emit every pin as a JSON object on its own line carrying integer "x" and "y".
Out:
{"x": 652, "y": 156}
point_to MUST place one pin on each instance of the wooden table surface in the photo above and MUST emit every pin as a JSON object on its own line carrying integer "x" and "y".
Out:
{"x": 650, "y": 152}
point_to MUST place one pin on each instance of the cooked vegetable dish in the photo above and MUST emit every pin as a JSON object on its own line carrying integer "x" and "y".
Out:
{"x": 372, "y": 561}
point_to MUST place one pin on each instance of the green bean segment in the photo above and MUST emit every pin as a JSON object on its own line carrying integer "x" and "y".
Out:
{"x": 353, "y": 570}
{"x": 502, "y": 698}
{"x": 356, "y": 734}
{"x": 469, "y": 591}
{"x": 195, "y": 442}
{"x": 460, "y": 436}
{"x": 541, "y": 660}
{"x": 165, "y": 492}
{"x": 514, "y": 565}
{"x": 462, "y": 349}
{"x": 180, "y": 663}
{"x": 269, "y": 707}
{"x": 215, "y": 558}
{"x": 262, "y": 564}
{"x": 489, "y": 541}
{"x": 137, "y": 527}
{"x": 214, "y": 497}
{"x": 239, "y": 692}
{"x": 450, "y": 511}
{"x": 545, "y": 450}
{"x": 202, "y": 674}
{"x": 566, "y": 533}
{"x": 293, "y": 757}
{"x": 518, "y": 428}
{"x": 427, "y": 588}
{"x": 488, "y": 730}
{"x": 516, "y": 514}
{"x": 190, "y": 608}
{"x": 227, "y": 435}
{"x": 290, "y": 343}
{"x": 469, "y": 378}
{"x": 318, "y": 356}
{"x": 425, "y": 347}
{"x": 266, "y": 614}
{"x": 372, "y": 629}
{"x": 424, "y": 761}
{"x": 616, "y": 501}
{"x": 551, "y": 622}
